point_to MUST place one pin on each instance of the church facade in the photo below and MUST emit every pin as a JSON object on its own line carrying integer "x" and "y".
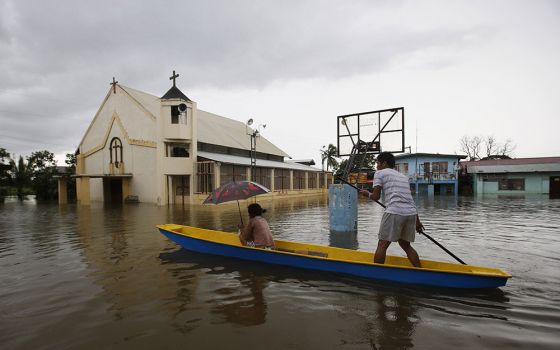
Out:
{"x": 164, "y": 150}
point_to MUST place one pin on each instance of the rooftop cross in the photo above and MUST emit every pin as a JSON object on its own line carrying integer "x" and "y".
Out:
{"x": 114, "y": 83}
{"x": 173, "y": 77}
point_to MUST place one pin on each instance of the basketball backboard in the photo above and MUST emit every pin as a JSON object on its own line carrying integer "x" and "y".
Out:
{"x": 371, "y": 132}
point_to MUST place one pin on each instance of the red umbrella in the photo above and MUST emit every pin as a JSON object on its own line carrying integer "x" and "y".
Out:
{"x": 234, "y": 191}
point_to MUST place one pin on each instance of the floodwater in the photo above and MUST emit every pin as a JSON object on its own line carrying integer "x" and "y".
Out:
{"x": 103, "y": 277}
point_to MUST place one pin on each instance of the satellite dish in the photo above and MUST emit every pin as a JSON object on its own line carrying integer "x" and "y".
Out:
{"x": 250, "y": 122}
{"x": 182, "y": 108}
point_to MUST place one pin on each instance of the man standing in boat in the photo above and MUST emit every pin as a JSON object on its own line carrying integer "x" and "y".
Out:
{"x": 400, "y": 219}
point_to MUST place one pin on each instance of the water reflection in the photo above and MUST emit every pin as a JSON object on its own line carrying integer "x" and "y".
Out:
{"x": 102, "y": 276}
{"x": 239, "y": 300}
{"x": 347, "y": 240}
{"x": 245, "y": 303}
{"x": 395, "y": 321}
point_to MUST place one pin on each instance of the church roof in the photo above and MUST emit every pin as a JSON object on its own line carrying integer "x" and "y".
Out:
{"x": 150, "y": 102}
{"x": 217, "y": 130}
{"x": 174, "y": 92}
{"x": 231, "y": 159}
{"x": 212, "y": 128}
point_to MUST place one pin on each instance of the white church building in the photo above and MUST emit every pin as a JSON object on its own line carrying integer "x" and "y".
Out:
{"x": 164, "y": 150}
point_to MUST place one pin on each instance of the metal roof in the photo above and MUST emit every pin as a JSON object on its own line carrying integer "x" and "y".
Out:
{"x": 519, "y": 165}
{"x": 516, "y": 161}
{"x": 262, "y": 163}
{"x": 174, "y": 92}
{"x": 217, "y": 130}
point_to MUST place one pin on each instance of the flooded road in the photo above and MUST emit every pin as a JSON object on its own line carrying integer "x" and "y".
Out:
{"x": 103, "y": 277}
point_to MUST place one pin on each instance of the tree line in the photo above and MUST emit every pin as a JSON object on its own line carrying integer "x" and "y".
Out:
{"x": 34, "y": 174}
{"x": 486, "y": 147}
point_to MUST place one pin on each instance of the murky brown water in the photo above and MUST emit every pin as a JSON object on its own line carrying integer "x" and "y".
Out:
{"x": 104, "y": 277}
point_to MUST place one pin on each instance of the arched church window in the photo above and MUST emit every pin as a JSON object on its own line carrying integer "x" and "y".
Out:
{"x": 115, "y": 151}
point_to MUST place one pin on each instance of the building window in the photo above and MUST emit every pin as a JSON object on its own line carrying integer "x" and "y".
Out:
{"x": 262, "y": 176}
{"x": 174, "y": 115}
{"x": 311, "y": 180}
{"x": 115, "y": 151}
{"x": 232, "y": 172}
{"x": 299, "y": 180}
{"x": 204, "y": 177}
{"x": 511, "y": 185}
{"x": 178, "y": 117}
{"x": 439, "y": 167}
{"x": 177, "y": 150}
{"x": 281, "y": 180}
{"x": 440, "y": 171}
{"x": 402, "y": 168}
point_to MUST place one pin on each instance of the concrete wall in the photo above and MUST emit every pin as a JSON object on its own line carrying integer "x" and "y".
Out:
{"x": 167, "y": 132}
{"x": 142, "y": 183}
{"x": 536, "y": 183}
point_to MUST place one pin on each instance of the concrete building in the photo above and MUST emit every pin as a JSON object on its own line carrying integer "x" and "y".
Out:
{"x": 430, "y": 173}
{"x": 516, "y": 176}
{"x": 165, "y": 150}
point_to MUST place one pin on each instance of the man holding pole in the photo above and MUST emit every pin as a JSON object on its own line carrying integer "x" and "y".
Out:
{"x": 400, "y": 219}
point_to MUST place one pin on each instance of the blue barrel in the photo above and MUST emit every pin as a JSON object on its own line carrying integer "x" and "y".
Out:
{"x": 343, "y": 208}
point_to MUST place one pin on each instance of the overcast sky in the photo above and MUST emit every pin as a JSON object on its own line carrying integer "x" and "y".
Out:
{"x": 457, "y": 67}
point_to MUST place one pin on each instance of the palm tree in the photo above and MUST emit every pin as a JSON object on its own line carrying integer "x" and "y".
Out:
{"x": 329, "y": 154}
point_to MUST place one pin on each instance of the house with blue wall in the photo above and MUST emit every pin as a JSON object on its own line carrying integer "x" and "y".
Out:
{"x": 515, "y": 176}
{"x": 430, "y": 173}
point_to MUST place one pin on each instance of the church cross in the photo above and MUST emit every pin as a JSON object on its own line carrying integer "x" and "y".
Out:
{"x": 114, "y": 83}
{"x": 173, "y": 77}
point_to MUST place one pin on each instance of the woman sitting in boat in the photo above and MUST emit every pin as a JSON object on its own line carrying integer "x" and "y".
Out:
{"x": 257, "y": 232}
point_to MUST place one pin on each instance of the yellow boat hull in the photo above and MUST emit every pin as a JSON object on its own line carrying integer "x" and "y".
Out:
{"x": 338, "y": 260}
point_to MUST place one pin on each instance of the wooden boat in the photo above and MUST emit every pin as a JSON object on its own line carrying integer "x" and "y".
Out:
{"x": 338, "y": 260}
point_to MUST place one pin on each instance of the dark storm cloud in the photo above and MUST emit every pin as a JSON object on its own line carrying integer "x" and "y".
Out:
{"x": 57, "y": 57}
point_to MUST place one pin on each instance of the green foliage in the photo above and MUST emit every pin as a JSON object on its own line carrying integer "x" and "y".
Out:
{"x": 328, "y": 154}
{"x": 42, "y": 168}
{"x": 71, "y": 181}
{"x": 360, "y": 163}
{"x": 4, "y": 171}
{"x": 71, "y": 161}
{"x": 338, "y": 172}
{"x": 34, "y": 176}
{"x": 19, "y": 176}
